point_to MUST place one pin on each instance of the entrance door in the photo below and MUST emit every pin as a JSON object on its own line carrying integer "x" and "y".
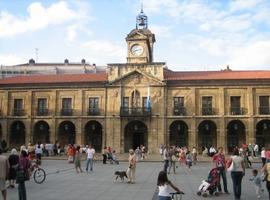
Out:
{"x": 236, "y": 134}
{"x": 207, "y": 134}
{"x": 135, "y": 135}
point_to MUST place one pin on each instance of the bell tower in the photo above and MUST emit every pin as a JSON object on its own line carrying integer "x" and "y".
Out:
{"x": 140, "y": 41}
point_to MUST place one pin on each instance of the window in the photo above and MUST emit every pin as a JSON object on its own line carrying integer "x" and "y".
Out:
{"x": 66, "y": 106}
{"x": 264, "y": 105}
{"x": 18, "y": 104}
{"x": 42, "y": 106}
{"x": 18, "y": 107}
{"x": 125, "y": 102}
{"x": 236, "y": 105}
{"x": 178, "y": 101}
{"x": 93, "y": 106}
{"x": 207, "y": 103}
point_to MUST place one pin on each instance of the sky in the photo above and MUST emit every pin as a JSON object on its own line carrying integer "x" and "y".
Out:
{"x": 190, "y": 34}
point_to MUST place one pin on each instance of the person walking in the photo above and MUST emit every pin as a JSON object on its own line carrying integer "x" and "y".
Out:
{"x": 163, "y": 184}
{"x": 13, "y": 160}
{"x": 219, "y": 161}
{"x": 90, "y": 156}
{"x": 172, "y": 159}
{"x": 25, "y": 165}
{"x": 166, "y": 159}
{"x": 132, "y": 166}
{"x": 104, "y": 154}
{"x": 38, "y": 152}
{"x": 266, "y": 170}
{"x": 77, "y": 160}
{"x": 4, "y": 167}
{"x": 263, "y": 156}
{"x": 237, "y": 173}
{"x": 194, "y": 155}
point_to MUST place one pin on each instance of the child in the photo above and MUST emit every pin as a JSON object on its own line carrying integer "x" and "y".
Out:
{"x": 163, "y": 186}
{"x": 114, "y": 158}
{"x": 257, "y": 180}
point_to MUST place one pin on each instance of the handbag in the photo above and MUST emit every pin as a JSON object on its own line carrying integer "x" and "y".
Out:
{"x": 21, "y": 175}
{"x": 229, "y": 169}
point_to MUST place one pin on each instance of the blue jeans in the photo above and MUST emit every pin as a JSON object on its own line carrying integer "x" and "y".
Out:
{"x": 166, "y": 165}
{"x": 224, "y": 178}
{"x": 22, "y": 191}
{"x": 237, "y": 180}
{"x": 164, "y": 198}
{"x": 89, "y": 162}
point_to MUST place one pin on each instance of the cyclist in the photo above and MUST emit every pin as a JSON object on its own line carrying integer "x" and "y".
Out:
{"x": 163, "y": 186}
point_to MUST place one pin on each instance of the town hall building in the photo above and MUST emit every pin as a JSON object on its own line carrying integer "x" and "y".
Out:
{"x": 137, "y": 102}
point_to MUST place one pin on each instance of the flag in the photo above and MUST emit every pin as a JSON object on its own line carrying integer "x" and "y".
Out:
{"x": 148, "y": 101}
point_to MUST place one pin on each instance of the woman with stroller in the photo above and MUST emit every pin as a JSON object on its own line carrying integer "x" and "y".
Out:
{"x": 163, "y": 186}
{"x": 237, "y": 172}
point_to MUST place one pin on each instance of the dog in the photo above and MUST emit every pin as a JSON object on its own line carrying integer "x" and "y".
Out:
{"x": 121, "y": 174}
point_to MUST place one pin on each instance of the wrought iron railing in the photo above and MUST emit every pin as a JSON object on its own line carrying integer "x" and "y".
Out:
{"x": 179, "y": 111}
{"x": 42, "y": 112}
{"x": 93, "y": 111}
{"x": 135, "y": 112}
{"x": 208, "y": 111}
{"x": 67, "y": 112}
{"x": 237, "y": 111}
{"x": 264, "y": 110}
{"x": 18, "y": 112}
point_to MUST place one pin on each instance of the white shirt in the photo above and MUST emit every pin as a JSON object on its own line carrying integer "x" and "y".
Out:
{"x": 237, "y": 166}
{"x": 38, "y": 150}
{"x": 90, "y": 153}
{"x": 256, "y": 147}
{"x": 163, "y": 190}
{"x": 263, "y": 154}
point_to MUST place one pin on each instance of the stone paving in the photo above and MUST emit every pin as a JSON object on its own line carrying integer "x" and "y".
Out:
{"x": 63, "y": 182}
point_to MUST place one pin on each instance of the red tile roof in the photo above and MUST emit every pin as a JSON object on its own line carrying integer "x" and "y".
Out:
{"x": 54, "y": 79}
{"x": 216, "y": 75}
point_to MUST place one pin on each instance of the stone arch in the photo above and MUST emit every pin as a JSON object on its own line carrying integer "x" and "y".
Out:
{"x": 207, "y": 134}
{"x": 136, "y": 134}
{"x": 263, "y": 133}
{"x": 66, "y": 133}
{"x": 178, "y": 133}
{"x": 93, "y": 134}
{"x": 17, "y": 135}
{"x": 236, "y": 135}
{"x": 41, "y": 132}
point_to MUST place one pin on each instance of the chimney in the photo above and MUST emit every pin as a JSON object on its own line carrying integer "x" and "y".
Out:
{"x": 83, "y": 61}
{"x": 66, "y": 61}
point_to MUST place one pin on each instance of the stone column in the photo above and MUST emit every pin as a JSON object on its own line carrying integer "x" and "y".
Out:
{"x": 222, "y": 135}
{"x": 250, "y": 135}
{"x": 79, "y": 132}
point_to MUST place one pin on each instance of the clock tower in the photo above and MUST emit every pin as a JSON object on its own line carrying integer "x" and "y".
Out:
{"x": 140, "y": 42}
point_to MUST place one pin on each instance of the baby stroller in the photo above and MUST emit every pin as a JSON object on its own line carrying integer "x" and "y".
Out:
{"x": 211, "y": 184}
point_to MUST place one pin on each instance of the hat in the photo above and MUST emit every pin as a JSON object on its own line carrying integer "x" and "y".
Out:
{"x": 131, "y": 151}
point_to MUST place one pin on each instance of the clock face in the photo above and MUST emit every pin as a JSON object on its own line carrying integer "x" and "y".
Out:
{"x": 136, "y": 50}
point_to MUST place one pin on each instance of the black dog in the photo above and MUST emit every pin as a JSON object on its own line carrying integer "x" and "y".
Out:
{"x": 121, "y": 174}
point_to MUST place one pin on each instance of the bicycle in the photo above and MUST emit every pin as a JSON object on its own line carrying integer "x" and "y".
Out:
{"x": 39, "y": 174}
{"x": 176, "y": 195}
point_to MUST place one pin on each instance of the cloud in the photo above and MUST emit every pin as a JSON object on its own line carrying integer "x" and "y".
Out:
{"x": 38, "y": 17}
{"x": 10, "y": 59}
{"x": 160, "y": 30}
{"x": 105, "y": 51}
{"x": 251, "y": 55}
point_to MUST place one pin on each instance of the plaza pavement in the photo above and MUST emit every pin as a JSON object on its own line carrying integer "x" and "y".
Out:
{"x": 63, "y": 182}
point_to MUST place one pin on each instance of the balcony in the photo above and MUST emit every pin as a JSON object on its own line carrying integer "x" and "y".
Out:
{"x": 179, "y": 111}
{"x": 135, "y": 112}
{"x": 208, "y": 111}
{"x": 42, "y": 112}
{"x": 67, "y": 112}
{"x": 93, "y": 111}
{"x": 264, "y": 110}
{"x": 18, "y": 112}
{"x": 237, "y": 111}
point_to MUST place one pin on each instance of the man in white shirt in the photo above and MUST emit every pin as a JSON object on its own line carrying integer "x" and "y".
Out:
{"x": 256, "y": 150}
{"x": 90, "y": 156}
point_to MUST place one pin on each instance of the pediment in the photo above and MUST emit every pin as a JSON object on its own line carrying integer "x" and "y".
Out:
{"x": 137, "y": 77}
{"x": 136, "y": 35}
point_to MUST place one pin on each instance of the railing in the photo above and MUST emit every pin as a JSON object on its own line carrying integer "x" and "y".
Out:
{"x": 135, "y": 112}
{"x": 237, "y": 111}
{"x": 18, "y": 112}
{"x": 42, "y": 112}
{"x": 208, "y": 111}
{"x": 67, "y": 112}
{"x": 93, "y": 111}
{"x": 264, "y": 110}
{"x": 180, "y": 111}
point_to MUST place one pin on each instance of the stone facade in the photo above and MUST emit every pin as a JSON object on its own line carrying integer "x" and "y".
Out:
{"x": 139, "y": 102}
